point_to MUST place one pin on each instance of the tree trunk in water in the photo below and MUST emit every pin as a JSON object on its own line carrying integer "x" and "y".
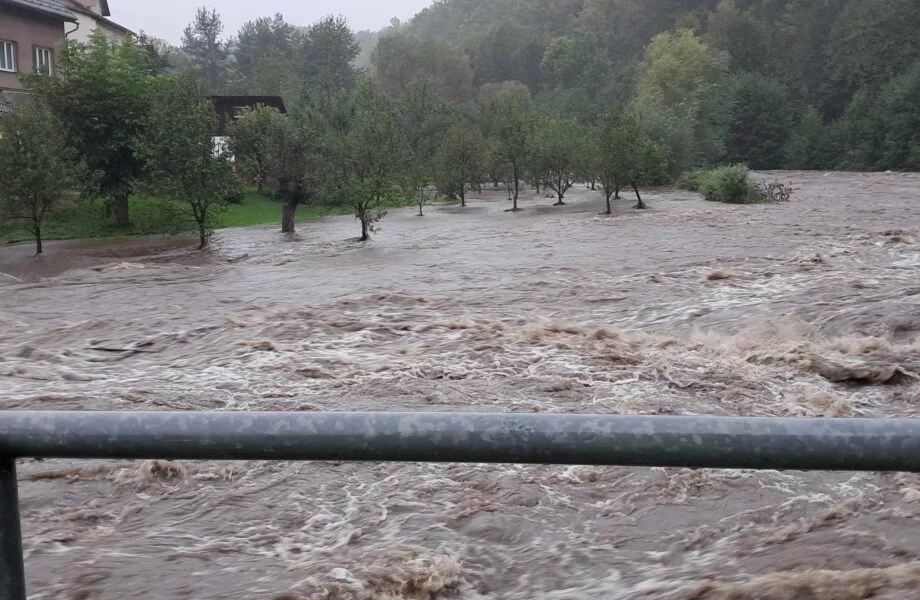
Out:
{"x": 616, "y": 195}
{"x": 120, "y": 207}
{"x": 288, "y": 205}
{"x": 609, "y": 211}
{"x": 640, "y": 205}
{"x": 593, "y": 186}
{"x": 364, "y": 233}
{"x": 517, "y": 185}
{"x": 38, "y": 240}
{"x": 202, "y": 237}
{"x": 559, "y": 194}
{"x": 288, "y": 211}
{"x": 463, "y": 195}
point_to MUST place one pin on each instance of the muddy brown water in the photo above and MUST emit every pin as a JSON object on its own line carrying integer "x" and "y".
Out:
{"x": 687, "y": 308}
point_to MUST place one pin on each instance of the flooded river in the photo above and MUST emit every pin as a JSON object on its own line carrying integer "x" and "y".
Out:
{"x": 810, "y": 308}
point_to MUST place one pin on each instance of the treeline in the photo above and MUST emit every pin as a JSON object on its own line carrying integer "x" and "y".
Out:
{"x": 815, "y": 84}
{"x": 542, "y": 93}
{"x": 818, "y": 84}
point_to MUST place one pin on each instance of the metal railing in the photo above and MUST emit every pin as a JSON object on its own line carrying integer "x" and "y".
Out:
{"x": 699, "y": 442}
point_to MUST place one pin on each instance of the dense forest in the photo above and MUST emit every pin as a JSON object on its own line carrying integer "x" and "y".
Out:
{"x": 813, "y": 84}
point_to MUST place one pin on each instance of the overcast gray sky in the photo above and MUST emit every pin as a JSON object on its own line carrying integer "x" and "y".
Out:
{"x": 167, "y": 18}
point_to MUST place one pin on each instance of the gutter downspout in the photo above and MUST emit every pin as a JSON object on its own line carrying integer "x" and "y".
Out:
{"x": 74, "y": 30}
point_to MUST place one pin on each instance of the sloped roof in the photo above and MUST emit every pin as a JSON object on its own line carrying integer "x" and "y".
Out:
{"x": 49, "y": 7}
{"x": 103, "y": 6}
{"x": 78, "y": 6}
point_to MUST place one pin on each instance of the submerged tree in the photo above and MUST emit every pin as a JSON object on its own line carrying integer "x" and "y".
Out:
{"x": 625, "y": 154}
{"x": 461, "y": 159}
{"x": 182, "y": 165}
{"x": 36, "y": 166}
{"x": 372, "y": 153}
{"x": 611, "y": 155}
{"x": 509, "y": 118}
{"x": 293, "y": 160}
{"x": 557, "y": 154}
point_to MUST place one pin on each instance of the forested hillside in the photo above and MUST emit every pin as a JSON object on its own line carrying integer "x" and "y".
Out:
{"x": 812, "y": 84}
{"x": 791, "y": 83}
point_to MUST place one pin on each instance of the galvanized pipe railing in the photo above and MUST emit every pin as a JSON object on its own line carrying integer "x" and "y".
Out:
{"x": 700, "y": 442}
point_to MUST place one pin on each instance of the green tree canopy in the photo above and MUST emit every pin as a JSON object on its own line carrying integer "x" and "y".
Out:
{"x": 557, "y": 154}
{"x": 679, "y": 69}
{"x": 252, "y": 142}
{"x": 328, "y": 53}
{"x": 208, "y": 52}
{"x": 508, "y": 118}
{"x": 759, "y": 123}
{"x": 181, "y": 163}
{"x": 101, "y": 95}
{"x": 36, "y": 166}
{"x": 874, "y": 40}
{"x": 266, "y": 51}
{"x": 900, "y": 111}
{"x": 461, "y": 159}
{"x": 404, "y": 63}
{"x": 366, "y": 160}
{"x": 624, "y": 153}
{"x": 743, "y": 38}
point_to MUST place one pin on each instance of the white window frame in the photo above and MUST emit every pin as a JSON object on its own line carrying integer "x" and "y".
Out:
{"x": 8, "y": 52}
{"x": 46, "y": 53}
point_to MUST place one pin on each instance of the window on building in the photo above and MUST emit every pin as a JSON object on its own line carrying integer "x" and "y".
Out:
{"x": 7, "y": 56}
{"x": 43, "y": 60}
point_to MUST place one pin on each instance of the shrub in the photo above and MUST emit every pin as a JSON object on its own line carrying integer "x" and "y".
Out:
{"x": 692, "y": 180}
{"x": 237, "y": 193}
{"x": 731, "y": 184}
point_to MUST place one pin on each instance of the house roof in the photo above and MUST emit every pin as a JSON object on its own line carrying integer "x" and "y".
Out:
{"x": 114, "y": 25}
{"x": 232, "y": 101}
{"x": 103, "y": 6}
{"x": 78, "y": 6}
{"x": 49, "y": 7}
{"x": 224, "y": 106}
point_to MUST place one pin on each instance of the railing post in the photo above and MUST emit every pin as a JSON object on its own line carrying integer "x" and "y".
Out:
{"x": 12, "y": 572}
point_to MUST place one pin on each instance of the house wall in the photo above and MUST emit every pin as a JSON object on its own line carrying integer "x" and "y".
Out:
{"x": 87, "y": 26}
{"x": 27, "y": 29}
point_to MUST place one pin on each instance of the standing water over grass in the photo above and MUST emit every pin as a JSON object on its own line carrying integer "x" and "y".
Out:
{"x": 800, "y": 309}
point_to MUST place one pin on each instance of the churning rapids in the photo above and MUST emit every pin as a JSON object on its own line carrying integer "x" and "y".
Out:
{"x": 810, "y": 308}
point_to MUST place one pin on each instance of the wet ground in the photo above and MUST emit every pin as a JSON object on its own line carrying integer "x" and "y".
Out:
{"x": 810, "y": 308}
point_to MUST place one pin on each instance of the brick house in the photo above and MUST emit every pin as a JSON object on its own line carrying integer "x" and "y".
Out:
{"x": 32, "y": 31}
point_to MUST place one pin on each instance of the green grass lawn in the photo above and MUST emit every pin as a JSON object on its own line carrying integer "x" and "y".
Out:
{"x": 87, "y": 220}
{"x": 260, "y": 210}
